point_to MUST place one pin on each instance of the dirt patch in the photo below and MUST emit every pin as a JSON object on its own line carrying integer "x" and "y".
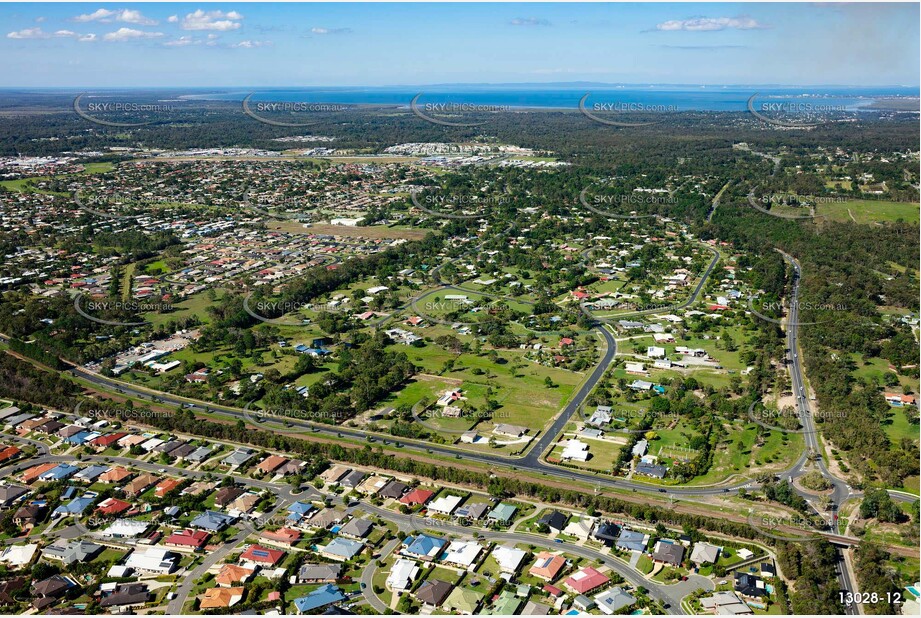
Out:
{"x": 427, "y": 377}
{"x": 376, "y": 232}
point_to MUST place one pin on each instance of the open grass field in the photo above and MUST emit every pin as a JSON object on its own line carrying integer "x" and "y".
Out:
{"x": 745, "y": 452}
{"x": 195, "y": 304}
{"x": 517, "y": 385}
{"x": 603, "y": 455}
{"x": 898, "y": 427}
{"x": 870, "y": 211}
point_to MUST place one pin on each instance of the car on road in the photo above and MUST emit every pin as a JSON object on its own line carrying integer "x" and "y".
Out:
{"x": 558, "y": 541}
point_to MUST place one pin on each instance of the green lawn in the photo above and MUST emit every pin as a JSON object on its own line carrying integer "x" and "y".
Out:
{"x": 517, "y": 384}
{"x": 870, "y": 211}
{"x": 645, "y": 564}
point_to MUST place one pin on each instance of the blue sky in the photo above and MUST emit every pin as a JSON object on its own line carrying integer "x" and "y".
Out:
{"x": 285, "y": 44}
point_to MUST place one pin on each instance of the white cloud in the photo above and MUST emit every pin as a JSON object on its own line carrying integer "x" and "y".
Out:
{"x": 97, "y": 15}
{"x": 709, "y": 24}
{"x": 134, "y": 17}
{"x": 129, "y": 34}
{"x": 173, "y": 19}
{"x": 69, "y": 33}
{"x": 529, "y": 21}
{"x": 127, "y": 16}
{"x": 88, "y": 38}
{"x": 39, "y": 20}
{"x": 28, "y": 33}
{"x": 211, "y": 20}
{"x": 182, "y": 41}
{"x": 250, "y": 44}
{"x": 321, "y": 31}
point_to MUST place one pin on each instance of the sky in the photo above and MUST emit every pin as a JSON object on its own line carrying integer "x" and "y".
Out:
{"x": 215, "y": 44}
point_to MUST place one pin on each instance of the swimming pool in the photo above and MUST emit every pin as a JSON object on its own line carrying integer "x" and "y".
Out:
{"x": 913, "y": 591}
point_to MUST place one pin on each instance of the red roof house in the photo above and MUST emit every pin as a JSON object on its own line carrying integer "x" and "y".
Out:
{"x": 417, "y": 496}
{"x": 113, "y": 506}
{"x": 586, "y": 580}
{"x": 195, "y": 539}
{"x": 262, "y": 555}
{"x": 103, "y": 442}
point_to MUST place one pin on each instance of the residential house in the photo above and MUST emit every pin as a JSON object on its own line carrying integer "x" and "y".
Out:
{"x": 233, "y": 574}
{"x": 153, "y": 560}
{"x": 187, "y": 539}
{"x": 668, "y": 552}
{"x": 356, "y": 528}
{"x": 704, "y": 553}
{"x": 423, "y": 547}
{"x": 749, "y": 585}
{"x": 139, "y": 485}
{"x": 509, "y": 558}
{"x": 393, "y": 489}
{"x": 613, "y": 601}
{"x": 262, "y": 556}
{"x": 631, "y": 540}
{"x": 586, "y": 580}
{"x": 462, "y": 554}
{"x": 463, "y": 601}
{"x": 218, "y": 598}
{"x": 502, "y": 513}
{"x": 341, "y": 549}
{"x": 116, "y": 474}
{"x": 417, "y": 496}
{"x": 319, "y": 573}
{"x": 726, "y": 604}
{"x": 433, "y": 592}
{"x": 321, "y": 597}
{"x": 547, "y": 566}
{"x": 125, "y": 595}
{"x": 212, "y": 521}
{"x": 402, "y": 575}
{"x": 70, "y": 552}
{"x": 226, "y": 495}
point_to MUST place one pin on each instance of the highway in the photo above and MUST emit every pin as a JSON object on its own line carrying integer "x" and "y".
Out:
{"x": 841, "y": 490}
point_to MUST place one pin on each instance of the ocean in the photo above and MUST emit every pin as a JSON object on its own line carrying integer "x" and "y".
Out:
{"x": 653, "y": 98}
